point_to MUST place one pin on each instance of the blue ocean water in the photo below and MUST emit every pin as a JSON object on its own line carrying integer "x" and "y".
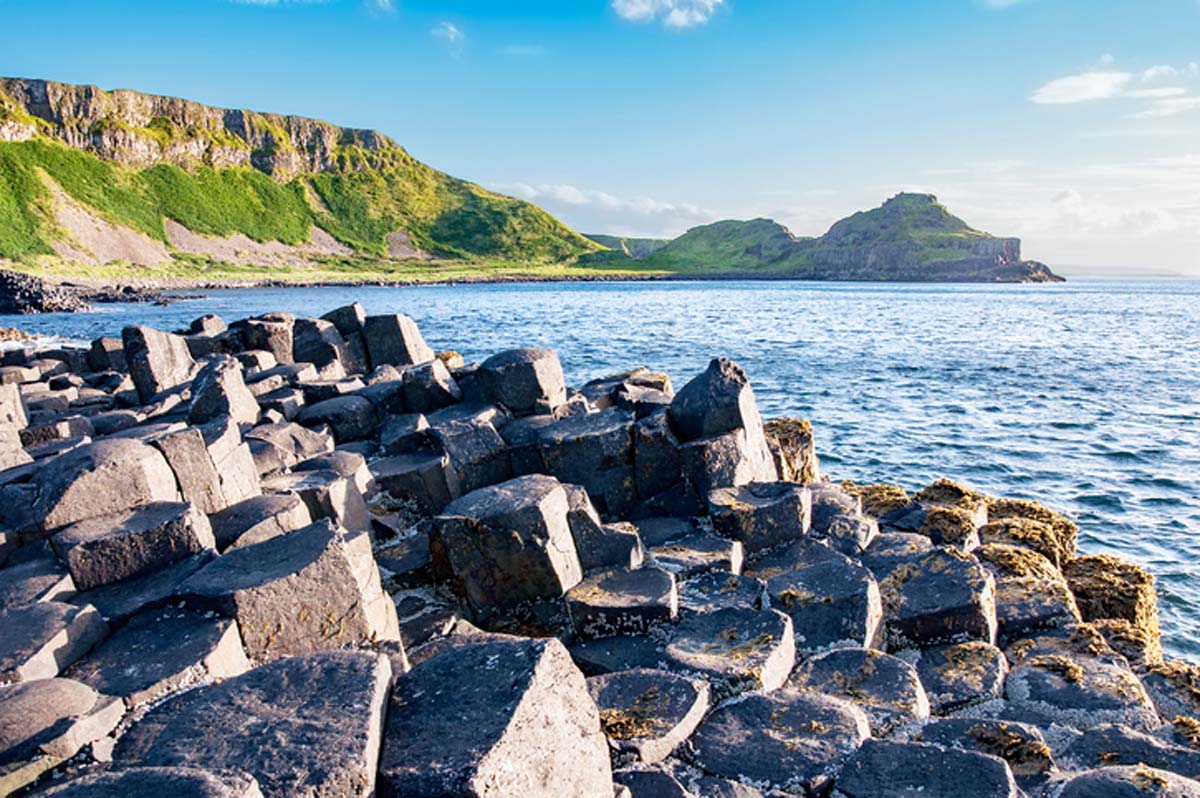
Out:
{"x": 1085, "y": 396}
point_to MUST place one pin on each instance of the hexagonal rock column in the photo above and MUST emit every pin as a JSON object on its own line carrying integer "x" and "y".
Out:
{"x": 328, "y": 707}
{"x": 219, "y": 390}
{"x": 834, "y": 602}
{"x": 524, "y": 380}
{"x": 175, "y": 782}
{"x": 319, "y": 342}
{"x": 157, "y": 360}
{"x": 395, "y": 340}
{"x": 947, "y": 597}
{"x": 715, "y": 402}
{"x": 310, "y": 590}
{"x": 44, "y": 722}
{"x": 600, "y": 546}
{"x": 882, "y": 769}
{"x": 596, "y": 452}
{"x": 647, "y": 714}
{"x": 271, "y": 332}
{"x": 1129, "y": 782}
{"x": 1021, "y": 745}
{"x": 160, "y": 651}
{"x": 623, "y": 602}
{"x": 1031, "y": 594}
{"x": 107, "y": 549}
{"x": 961, "y": 674}
{"x": 788, "y": 740}
{"x": 1108, "y": 587}
{"x": 517, "y": 723}
{"x": 734, "y": 649}
{"x": 885, "y": 687}
{"x": 100, "y": 478}
{"x": 41, "y": 639}
{"x": 761, "y": 515}
{"x": 259, "y": 518}
{"x": 508, "y": 544}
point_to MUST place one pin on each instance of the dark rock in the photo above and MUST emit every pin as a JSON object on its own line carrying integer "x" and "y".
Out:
{"x": 319, "y": 342}
{"x": 294, "y": 443}
{"x": 730, "y": 460}
{"x": 649, "y": 784}
{"x": 1174, "y": 686}
{"x": 1031, "y": 594}
{"x": 118, "y": 602}
{"x": 394, "y": 340}
{"x": 1129, "y": 782}
{"x": 405, "y": 434}
{"x": 154, "y": 782}
{"x": 885, "y": 687}
{"x": 349, "y": 319}
{"x": 717, "y": 591}
{"x": 598, "y": 545}
{"x": 350, "y": 418}
{"x": 1019, "y": 744}
{"x": 714, "y": 403}
{"x": 519, "y": 721}
{"x": 889, "y": 550}
{"x": 658, "y": 462}
{"x": 734, "y": 649}
{"x": 272, "y": 333}
{"x": 42, "y": 639}
{"x": 157, "y": 360}
{"x": 301, "y": 700}
{"x": 257, "y": 519}
{"x": 1108, "y": 745}
{"x": 947, "y": 597}
{"x": 197, "y": 477}
{"x": 882, "y": 769}
{"x": 35, "y": 577}
{"x": 699, "y": 553}
{"x": 961, "y": 674}
{"x": 525, "y": 381}
{"x": 429, "y": 387}
{"x": 476, "y": 451}
{"x": 107, "y": 354}
{"x": 790, "y": 740}
{"x": 610, "y": 654}
{"x": 596, "y": 452}
{"x": 833, "y": 602}
{"x": 521, "y": 437}
{"x": 647, "y": 714}
{"x": 761, "y": 515}
{"x": 1107, "y": 587}
{"x": 623, "y": 602}
{"x": 661, "y": 530}
{"x": 427, "y": 480}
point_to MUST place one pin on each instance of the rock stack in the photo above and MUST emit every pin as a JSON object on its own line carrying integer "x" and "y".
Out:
{"x": 311, "y": 557}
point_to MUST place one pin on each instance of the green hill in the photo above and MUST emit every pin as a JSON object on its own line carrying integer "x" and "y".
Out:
{"x": 632, "y": 247}
{"x": 86, "y": 173}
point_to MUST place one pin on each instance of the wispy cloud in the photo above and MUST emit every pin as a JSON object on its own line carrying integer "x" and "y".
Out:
{"x": 451, "y": 35}
{"x": 673, "y": 13}
{"x": 1082, "y": 88}
{"x": 1107, "y": 83}
{"x": 602, "y": 212}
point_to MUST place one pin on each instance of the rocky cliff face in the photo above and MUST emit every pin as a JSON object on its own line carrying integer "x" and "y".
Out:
{"x": 141, "y": 130}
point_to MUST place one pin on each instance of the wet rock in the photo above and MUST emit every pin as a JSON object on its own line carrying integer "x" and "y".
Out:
{"x": 1109, "y": 744}
{"x": 833, "y": 602}
{"x": 257, "y": 519}
{"x": 1108, "y": 587}
{"x": 734, "y": 649}
{"x": 885, "y": 687}
{"x": 718, "y": 591}
{"x": 150, "y": 782}
{"x": 425, "y": 479}
{"x": 793, "y": 449}
{"x": 157, "y": 361}
{"x": 761, "y": 515}
{"x": 106, "y": 549}
{"x": 623, "y": 602}
{"x": 301, "y": 700}
{"x": 1019, "y": 744}
{"x": 596, "y": 452}
{"x": 42, "y": 639}
{"x": 219, "y": 390}
{"x": 350, "y": 418}
{"x": 882, "y": 769}
{"x": 161, "y": 651}
{"x": 520, "y": 721}
{"x": 476, "y": 451}
{"x": 790, "y": 740}
{"x": 647, "y": 714}
{"x": 313, "y": 589}
{"x": 508, "y": 544}
{"x": 101, "y": 478}
{"x": 1129, "y": 782}
{"x": 698, "y": 553}
{"x": 1031, "y": 594}
{"x": 947, "y": 597}
{"x": 961, "y": 674}
{"x": 526, "y": 381}
{"x": 44, "y": 722}
{"x": 394, "y": 340}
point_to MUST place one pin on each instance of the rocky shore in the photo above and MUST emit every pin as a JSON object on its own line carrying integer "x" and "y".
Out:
{"x": 25, "y": 293}
{"x": 312, "y": 557}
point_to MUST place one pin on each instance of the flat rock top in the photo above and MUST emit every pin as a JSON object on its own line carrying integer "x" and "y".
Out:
{"x": 499, "y": 500}
{"x": 276, "y": 558}
{"x": 130, "y": 522}
{"x": 1130, "y": 782}
{"x": 606, "y": 422}
{"x": 625, "y": 588}
{"x": 166, "y": 782}
{"x": 31, "y": 713}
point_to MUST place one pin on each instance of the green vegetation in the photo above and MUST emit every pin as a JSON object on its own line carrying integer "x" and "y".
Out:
{"x": 635, "y": 248}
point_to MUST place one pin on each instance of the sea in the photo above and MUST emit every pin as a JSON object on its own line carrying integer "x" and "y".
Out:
{"x": 1083, "y": 395}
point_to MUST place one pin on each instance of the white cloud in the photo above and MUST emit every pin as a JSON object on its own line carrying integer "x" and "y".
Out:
{"x": 673, "y": 13}
{"x": 1171, "y": 106}
{"x": 1082, "y": 88}
{"x": 451, "y": 35}
{"x": 1158, "y": 72}
{"x": 594, "y": 211}
{"x": 1157, "y": 94}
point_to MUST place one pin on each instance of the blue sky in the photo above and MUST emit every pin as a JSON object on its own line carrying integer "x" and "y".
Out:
{"x": 1072, "y": 123}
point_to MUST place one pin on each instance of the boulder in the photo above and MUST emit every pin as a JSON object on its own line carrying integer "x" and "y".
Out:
{"x": 788, "y": 740}
{"x": 832, "y": 602}
{"x": 102, "y": 478}
{"x": 883, "y": 769}
{"x": 1129, "y": 782}
{"x": 1108, "y": 587}
{"x": 176, "y": 782}
{"x": 761, "y": 515}
{"x": 623, "y": 602}
{"x": 596, "y": 452}
{"x": 42, "y": 639}
{"x": 157, "y": 360}
{"x": 730, "y": 460}
{"x": 718, "y": 591}
{"x": 476, "y": 451}
{"x": 160, "y": 651}
{"x": 647, "y": 714}
{"x": 947, "y": 597}
{"x": 1031, "y": 594}
{"x": 107, "y": 354}
{"x": 219, "y": 390}
{"x": 118, "y": 602}
{"x": 197, "y": 477}
{"x": 735, "y": 650}
{"x": 426, "y": 480}
{"x": 37, "y": 576}
{"x": 526, "y": 381}
{"x": 1108, "y": 744}
{"x": 889, "y": 550}
{"x": 233, "y": 460}
{"x": 350, "y": 418}
{"x": 887, "y": 688}
{"x": 519, "y": 722}
{"x": 285, "y": 723}
{"x": 320, "y": 342}
{"x": 313, "y": 589}
{"x": 405, "y": 434}
{"x": 658, "y": 461}
{"x": 395, "y": 340}
{"x": 271, "y": 333}
{"x": 508, "y": 544}
{"x": 716, "y": 402}
{"x": 429, "y": 387}
{"x": 961, "y": 674}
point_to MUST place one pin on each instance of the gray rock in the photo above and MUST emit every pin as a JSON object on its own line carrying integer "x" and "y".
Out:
{"x": 313, "y": 589}
{"x": 761, "y": 515}
{"x": 508, "y": 544}
{"x": 349, "y": 319}
{"x": 947, "y": 597}
{"x": 36, "y": 577}
{"x": 232, "y": 459}
{"x": 718, "y": 591}
{"x": 525, "y": 381}
{"x": 1129, "y": 782}
{"x": 649, "y": 784}
{"x": 734, "y": 649}
{"x": 101, "y": 478}
{"x": 197, "y": 477}
{"x": 107, "y": 354}
{"x": 658, "y": 461}
{"x": 962, "y": 674}
{"x": 600, "y": 546}
{"x": 1174, "y": 686}
{"x": 219, "y": 390}
{"x": 1109, "y": 744}
{"x": 1020, "y": 745}
{"x": 889, "y": 550}
{"x": 259, "y": 518}
{"x": 118, "y": 602}
{"x": 42, "y": 639}
{"x": 327, "y": 388}
{"x": 320, "y": 342}
{"x": 405, "y": 434}
{"x": 285, "y": 723}
{"x": 155, "y": 782}
{"x": 350, "y": 418}
{"x": 609, "y": 654}
{"x": 395, "y": 340}
{"x": 476, "y": 451}
{"x": 429, "y": 387}
{"x": 730, "y": 460}
{"x": 623, "y": 602}
{"x": 294, "y": 443}
{"x": 832, "y": 602}
{"x": 699, "y": 553}
{"x": 271, "y": 333}
{"x": 107, "y": 549}
{"x": 882, "y": 769}
{"x": 716, "y": 402}
{"x": 1031, "y": 594}
{"x": 426, "y": 479}
{"x": 790, "y": 740}
{"x": 596, "y": 452}
{"x": 157, "y": 360}
{"x": 519, "y": 721}
{"x": 647, "y": 714}
{"x": 159, "y": 652}
{"x": 656, "y": 531}
{"x": 887, "y": 688}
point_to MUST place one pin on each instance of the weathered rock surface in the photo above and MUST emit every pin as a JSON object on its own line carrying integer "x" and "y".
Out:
{"x": 882, "y": 769}
{"x": 178, "y": 782}
{"x": 885, "y": 687}
{"x": 647, "y": 714}
{"x": 524, "y": 380}
{"x": 734, "y": 649}
{"x": 42, "y": 639}
{"x": 623, "y": 602}
{"x": 157, "y": 360}
{"x": 761, "y": 515}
